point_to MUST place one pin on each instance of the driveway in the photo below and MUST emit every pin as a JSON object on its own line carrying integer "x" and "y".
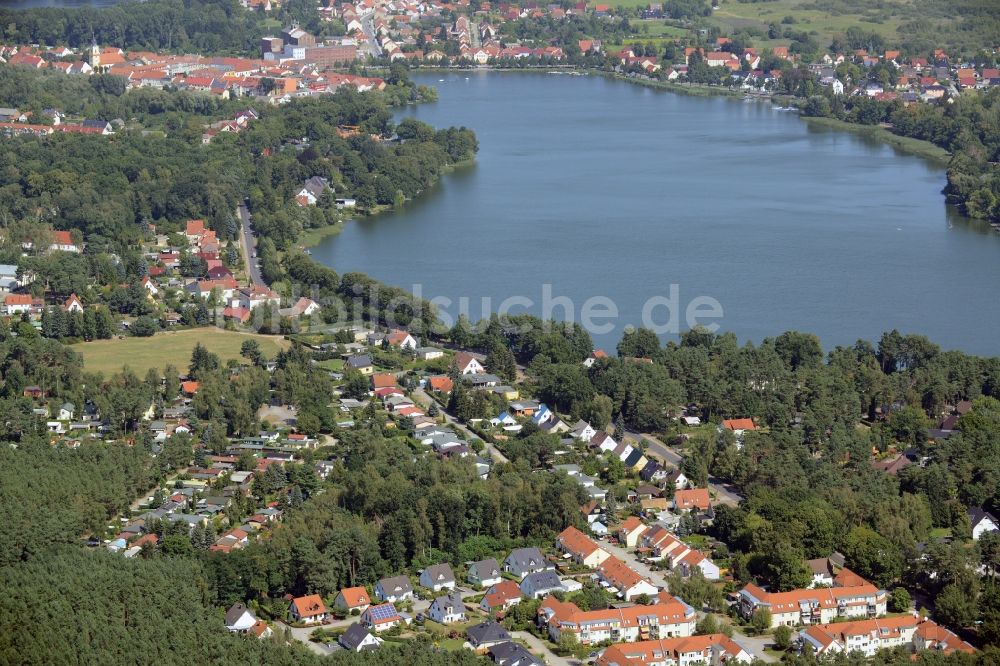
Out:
{"x": 536, "y": 645}
{"x": 425, "y": 400}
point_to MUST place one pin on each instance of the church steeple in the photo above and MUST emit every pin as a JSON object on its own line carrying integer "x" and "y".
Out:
{"x": 95, "y": 56}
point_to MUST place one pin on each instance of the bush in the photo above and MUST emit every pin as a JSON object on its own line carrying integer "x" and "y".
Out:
{"x": 144, "y": 327}
{"x": 783, "y": 637}
{"x": 899, "y": 600}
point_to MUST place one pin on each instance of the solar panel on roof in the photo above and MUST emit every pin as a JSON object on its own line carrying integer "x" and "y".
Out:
{"x": 384, "y": 612}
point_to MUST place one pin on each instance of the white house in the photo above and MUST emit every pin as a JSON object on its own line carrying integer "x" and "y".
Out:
{"x": 447, "y": 609}
{"x": 239, "y": 619}
{"x": 485, "y": 573}
{"x": 539, "y": 584}
{"x": 394, "y": 589}
{"x": 982, "y": 522}
{"x": 438, "y": 577}
{"x": 381, "y": 617}
{"x": 468, "y": 364}
{"x": 309, "y": 609}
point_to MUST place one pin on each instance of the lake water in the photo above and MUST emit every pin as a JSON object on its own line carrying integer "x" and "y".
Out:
{"x": 602, "y": 188}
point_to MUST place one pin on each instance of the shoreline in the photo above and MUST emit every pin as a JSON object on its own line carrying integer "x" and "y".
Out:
{"x": 906, "y": 145}
{"x": 313, "y": 237}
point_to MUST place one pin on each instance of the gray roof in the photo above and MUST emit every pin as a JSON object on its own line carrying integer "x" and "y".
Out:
{"x": 485, "y": 568}
{"x": 355, "y": 636}
{"x": 235, "y": 612}
{"x": 359, "y": 361}
{"x": 513, "y": 654}
{"x": 542, "y": 580}
{"x": 440, "y": 573}
{"x": 487, "y": 632}
{"x": 453, "y": 598}
{"x": 396, "y": 585}
{"x": 977, "y": 515}
{"x": 527, "y": 559}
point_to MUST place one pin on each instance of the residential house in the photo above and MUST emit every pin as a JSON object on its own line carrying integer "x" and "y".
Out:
{"x": 669, "y": 617}
{"x": 486, "y": 635}
{"x": 816, "y": 606}
{"x": 467, "y": 364}
{"x": 677, "y": 479}
{"x": 382, "y": 617}
{"x": 739, "y": 426}
{"x": 501, "y": 597}
{"x": 583, "y": 431}
{"x": 822, "y": 572}
{"x": 447, "y": 609}
{"x": 710, "y": 649}
{"x": 695, "y": 498}
{"x": 630, "y": 531}
{"x": 309, "y": 609}
{"x": 312, "y": 189}
{"x": 581, "y": 548}
{"x": 73, "y": 304}
{"x": 524, "y": 561}
{"x": 623, "y": 580}
{"x": 62, "y": 241}
{"x": 602, "y": 441}
{"x": 438, "y": 577}
{"x": 484, "y": 573}
{"x": 401, "y": 340}
{"x": 303, "y": 307}
{"x": 394, "y": 589}
{"x": 362, "y": 363}
{"x": 982, "y": 522}
{"x": 595, "y": 355}
{"x": 240, "y": 619}
{"x": 537, "y": 585}
{"x": 869, "y": 636}
{"x": 931, "y": 636}
{"x": 353, "y": 598}
{"x": 512, "y": 654}
{"x": 660, "y": 545}
{"x": 358, "y": 638}
{"x": 15, "y": 304}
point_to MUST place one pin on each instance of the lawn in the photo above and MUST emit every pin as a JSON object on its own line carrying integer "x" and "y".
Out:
{"x": 141, "y": 354}
{"x": 332, "y": 364}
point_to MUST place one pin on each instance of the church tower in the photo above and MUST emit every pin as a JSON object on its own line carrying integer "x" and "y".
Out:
{"x": 95, "y": 56}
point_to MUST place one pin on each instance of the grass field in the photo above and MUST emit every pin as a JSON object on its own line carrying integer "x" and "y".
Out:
{"x": 731, "y": 16}
{"x": 141, "y": 354}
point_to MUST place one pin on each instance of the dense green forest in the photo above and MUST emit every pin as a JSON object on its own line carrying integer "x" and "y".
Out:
{"x": 207, "y": 26}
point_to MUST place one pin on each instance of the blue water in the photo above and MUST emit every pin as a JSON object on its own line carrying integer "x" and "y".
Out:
{"x": 599, "y": 187}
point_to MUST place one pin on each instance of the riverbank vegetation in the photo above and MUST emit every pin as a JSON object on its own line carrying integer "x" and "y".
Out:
{"x": 967, "y": 128}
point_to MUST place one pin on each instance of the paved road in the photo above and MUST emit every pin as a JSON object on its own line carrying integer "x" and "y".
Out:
{"x": 368, "y": 25}
{"x": 723, "y": 492}
{"x": 425, "y": 401}
{"x": 249, "y": 244}
{"x": 537, "y": 646}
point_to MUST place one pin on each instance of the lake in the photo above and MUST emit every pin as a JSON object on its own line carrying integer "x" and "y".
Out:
{"x": 598, "y": 187}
